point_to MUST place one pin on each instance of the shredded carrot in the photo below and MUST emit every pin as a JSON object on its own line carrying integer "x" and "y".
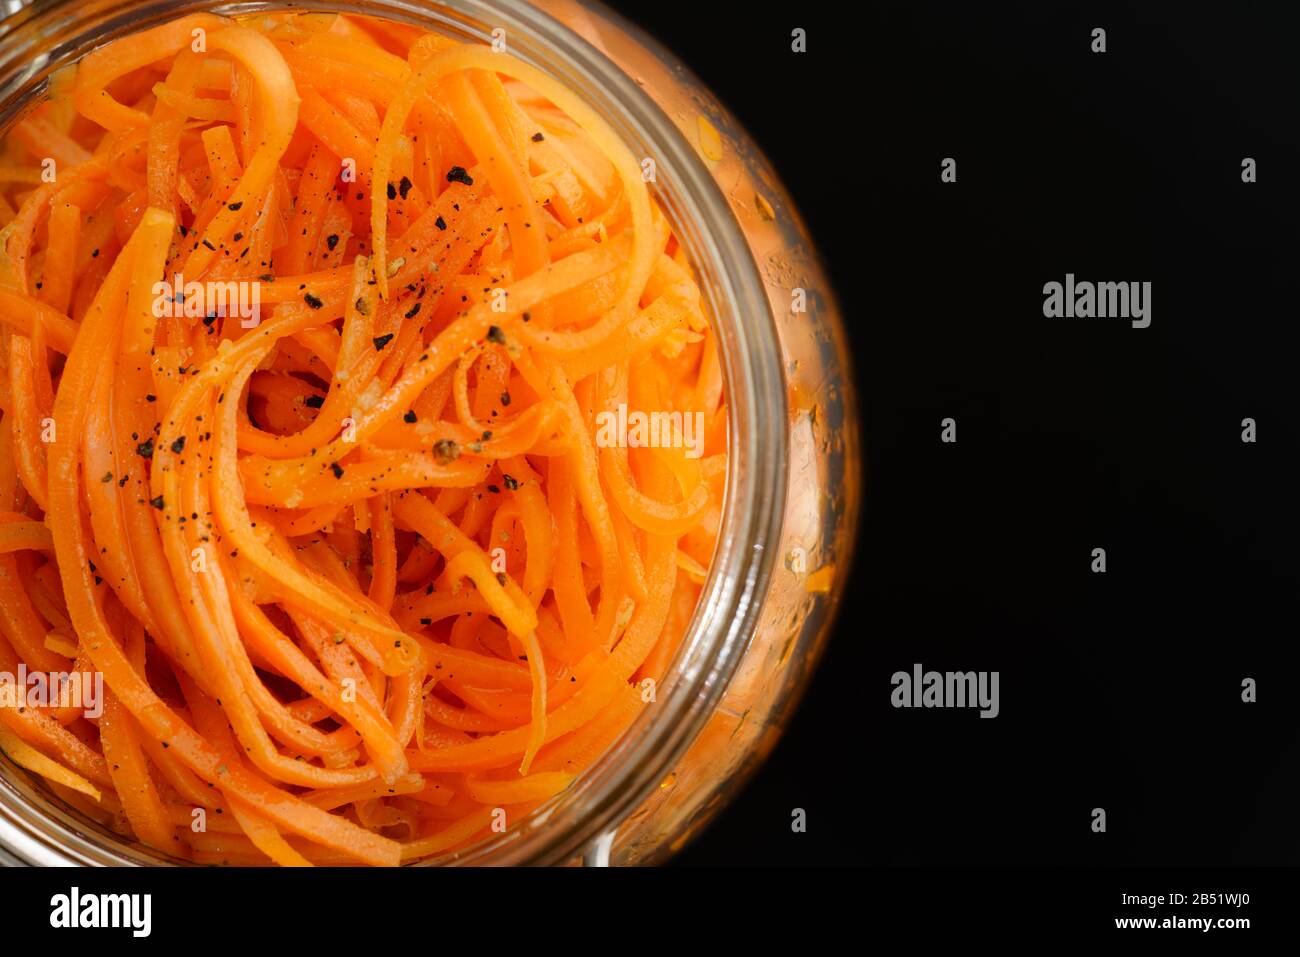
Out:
{"x": 28, "y": 757}
{"x": 361, "y": 428}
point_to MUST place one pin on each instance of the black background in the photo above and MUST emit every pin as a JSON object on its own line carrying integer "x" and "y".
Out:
{"x": 1121, "y": 690}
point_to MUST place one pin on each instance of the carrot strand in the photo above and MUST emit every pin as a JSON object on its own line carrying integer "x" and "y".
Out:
{"x": 364, "y": 566}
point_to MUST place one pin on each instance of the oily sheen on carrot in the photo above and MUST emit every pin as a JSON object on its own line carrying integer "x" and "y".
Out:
{"x": 319, "y": 341}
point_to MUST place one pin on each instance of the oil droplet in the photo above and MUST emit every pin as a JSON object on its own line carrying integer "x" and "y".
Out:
{"x": 799, "y": 400}
{"x": 710, "y": 140}
{"x": 820, "y": 581}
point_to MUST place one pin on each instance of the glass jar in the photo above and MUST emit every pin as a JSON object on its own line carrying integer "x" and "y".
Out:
{"x": 793, "y": 481}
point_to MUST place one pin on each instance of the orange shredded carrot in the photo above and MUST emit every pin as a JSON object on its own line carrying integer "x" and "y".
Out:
{"x": 361, "y": 426}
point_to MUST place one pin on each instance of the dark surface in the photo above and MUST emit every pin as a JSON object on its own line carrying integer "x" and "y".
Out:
{"x": 1120, "y": 690}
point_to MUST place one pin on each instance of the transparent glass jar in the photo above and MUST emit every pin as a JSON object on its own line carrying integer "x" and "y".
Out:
{"x": 793, "y": 483}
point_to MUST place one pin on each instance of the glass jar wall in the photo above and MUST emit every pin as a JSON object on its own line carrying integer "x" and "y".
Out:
{"x": 793, "y": 481}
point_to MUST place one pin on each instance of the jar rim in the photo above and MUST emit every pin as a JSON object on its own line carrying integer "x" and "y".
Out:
{"x": 48, "y": 34}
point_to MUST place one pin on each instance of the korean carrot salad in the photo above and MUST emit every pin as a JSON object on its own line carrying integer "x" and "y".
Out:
{"x": 319, "y": 340}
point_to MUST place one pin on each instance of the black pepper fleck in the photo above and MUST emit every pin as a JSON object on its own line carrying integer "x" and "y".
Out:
{"x": 446, "y": 450}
